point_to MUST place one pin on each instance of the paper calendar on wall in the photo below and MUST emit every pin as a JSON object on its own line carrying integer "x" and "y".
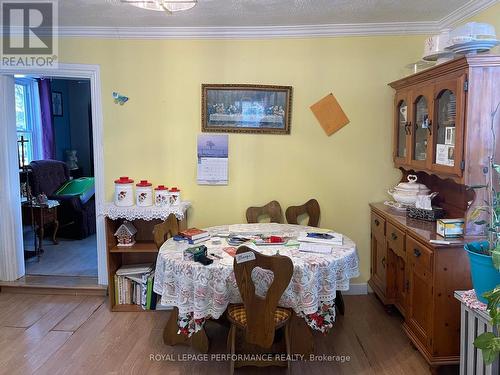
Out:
{"x": 212, "y": 159}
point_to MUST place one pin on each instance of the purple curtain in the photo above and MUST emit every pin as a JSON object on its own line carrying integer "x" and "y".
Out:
{"x": 48, "y": 137}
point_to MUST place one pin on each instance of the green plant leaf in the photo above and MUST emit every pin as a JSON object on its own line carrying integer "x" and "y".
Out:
{"x": 476, "y": 212}
{"x": 477, "y": 186}
{"x": 493, "y": 298}
{"x": 495, "y": 256}
{"x": 489, "y": 345}
{"x": 489, "y": 356}
{"x": 496, "y": 167}
{"x": 483, "y": 341}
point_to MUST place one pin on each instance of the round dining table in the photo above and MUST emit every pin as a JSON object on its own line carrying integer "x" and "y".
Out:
{"x": 200, "y": 292}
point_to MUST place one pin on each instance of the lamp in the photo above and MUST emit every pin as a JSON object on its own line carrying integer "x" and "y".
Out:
{"x": 164, "y": 5}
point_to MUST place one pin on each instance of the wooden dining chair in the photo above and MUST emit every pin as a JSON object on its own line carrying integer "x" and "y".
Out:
{"x": 260, "y": 317}
{"x": 272, "y": 209}
{"x": 311, "y": 208}
{"x": 165, "y": 230}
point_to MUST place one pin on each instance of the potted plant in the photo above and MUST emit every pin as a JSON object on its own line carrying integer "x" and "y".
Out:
{"x": 484, "y": 256}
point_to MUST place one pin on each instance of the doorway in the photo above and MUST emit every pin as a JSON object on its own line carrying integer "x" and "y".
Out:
{"x": 87, "y": 76}
{"x": 55, "y": 153}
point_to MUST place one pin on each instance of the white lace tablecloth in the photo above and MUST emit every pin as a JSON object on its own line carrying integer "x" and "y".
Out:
{"x": 205, "y": 291}
{"x": 145, "y": 213}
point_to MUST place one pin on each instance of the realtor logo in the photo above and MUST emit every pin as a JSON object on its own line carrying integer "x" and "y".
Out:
{"x": 29, "y": 37}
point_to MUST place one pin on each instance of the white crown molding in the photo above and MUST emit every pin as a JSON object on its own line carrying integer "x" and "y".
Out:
{"x": 252, "y": 32}
{"x": 265, "y": 32}
{"x": 465, "y": 12}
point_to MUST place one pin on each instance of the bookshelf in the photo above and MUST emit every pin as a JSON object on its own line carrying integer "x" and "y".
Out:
{"x": 143, "y": 251}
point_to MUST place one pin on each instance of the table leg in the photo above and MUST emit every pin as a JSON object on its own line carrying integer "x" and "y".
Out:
{"x": 198, "y": 341}
{"x": 42, "y": 231}
{"x": 56, "y": 228}
{"x": 301, "y": 338}
{"x": 339, "y": 303}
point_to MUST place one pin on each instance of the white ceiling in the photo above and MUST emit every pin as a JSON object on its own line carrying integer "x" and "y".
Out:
{"x": 224, "y": 13}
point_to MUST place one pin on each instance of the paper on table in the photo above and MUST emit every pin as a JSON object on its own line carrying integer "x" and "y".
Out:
{"x": 309, "y": 247}
{"x": 336, "y": 239}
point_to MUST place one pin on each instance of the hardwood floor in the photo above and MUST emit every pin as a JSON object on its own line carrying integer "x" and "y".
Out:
{"x": 66, "y": 334}
{"x": 67, "y": 258}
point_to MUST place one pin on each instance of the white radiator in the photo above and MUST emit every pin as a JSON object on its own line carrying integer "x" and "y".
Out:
{"x": 472, "y": 324}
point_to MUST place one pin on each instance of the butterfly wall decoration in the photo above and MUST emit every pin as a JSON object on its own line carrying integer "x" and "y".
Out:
{"x": 119, "y": 98}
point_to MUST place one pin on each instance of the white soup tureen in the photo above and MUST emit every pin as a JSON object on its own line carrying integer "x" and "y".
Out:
{"x": 406, "y": 192}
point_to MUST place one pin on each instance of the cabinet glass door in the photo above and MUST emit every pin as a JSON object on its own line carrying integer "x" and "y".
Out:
{"x": 448, "y": 115}
{"x": 402, "y": 114}
{"x": 446, "y": 106}
{"x": 421, "y": 129}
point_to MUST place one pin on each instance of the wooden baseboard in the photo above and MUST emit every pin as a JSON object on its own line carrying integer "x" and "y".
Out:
{"x": 65, "y": 285}
{"x": 51, "y": 291}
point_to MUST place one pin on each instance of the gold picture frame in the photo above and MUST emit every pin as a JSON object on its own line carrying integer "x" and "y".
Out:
{"x": 244, "y": 108}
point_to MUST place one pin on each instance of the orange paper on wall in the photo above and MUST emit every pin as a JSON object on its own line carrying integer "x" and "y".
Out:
{"x": 329, "y": 114}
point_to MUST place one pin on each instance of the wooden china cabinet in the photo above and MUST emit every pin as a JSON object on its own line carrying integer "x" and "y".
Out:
{"x": 442, "y": 133}
{"x": 442, "y": 118}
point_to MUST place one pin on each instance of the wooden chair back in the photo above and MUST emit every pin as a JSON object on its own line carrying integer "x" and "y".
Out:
{"x": 260, "y": 311}
{"x": 165, "y": 230}
{"x": 311, "y": 208}
{"x": 272, "y": 209}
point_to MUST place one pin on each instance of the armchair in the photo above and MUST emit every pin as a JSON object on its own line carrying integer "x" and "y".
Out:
{"x": 77, "y": 220}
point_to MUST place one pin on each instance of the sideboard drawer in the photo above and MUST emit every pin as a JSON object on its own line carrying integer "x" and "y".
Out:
{"x": 396, "y": 240}
{"x": 378, "y": 225}
{"x": 419, "y": 255}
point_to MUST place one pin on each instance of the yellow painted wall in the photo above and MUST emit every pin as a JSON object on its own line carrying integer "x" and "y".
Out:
{"x": 154, "y": 135}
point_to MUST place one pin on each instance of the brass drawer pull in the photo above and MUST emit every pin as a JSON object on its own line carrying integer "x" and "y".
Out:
{"x": 383, "y": 262}
{"x": 377, "y": 223}
{"x": 417, "y": 252}
{"x": 394, "y": 236}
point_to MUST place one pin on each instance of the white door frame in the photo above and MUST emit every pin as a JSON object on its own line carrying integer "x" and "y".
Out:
{"x": 91, "y": 72}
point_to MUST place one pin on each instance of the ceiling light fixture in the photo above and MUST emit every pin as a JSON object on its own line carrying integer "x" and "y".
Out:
{"x": 169, "y": 6}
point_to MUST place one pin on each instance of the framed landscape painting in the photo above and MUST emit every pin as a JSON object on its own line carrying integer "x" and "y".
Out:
{"x": 246, "y": 108}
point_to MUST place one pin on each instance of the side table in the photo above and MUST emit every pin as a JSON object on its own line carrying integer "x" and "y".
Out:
{"x": 42, "y": 215}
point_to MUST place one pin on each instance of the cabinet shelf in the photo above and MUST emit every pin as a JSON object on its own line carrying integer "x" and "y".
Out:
{"x": 143, "y": 251}
{"x": 138, "y": 247}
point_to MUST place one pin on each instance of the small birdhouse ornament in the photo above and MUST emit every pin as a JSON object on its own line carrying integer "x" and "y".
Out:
{"x": 125, "y": 234}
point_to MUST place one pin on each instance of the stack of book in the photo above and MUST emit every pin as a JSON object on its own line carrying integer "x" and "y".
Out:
{"x": 195, "y": 235}
{"x": 315, "y": 242}
{"x": 134, "y": 285}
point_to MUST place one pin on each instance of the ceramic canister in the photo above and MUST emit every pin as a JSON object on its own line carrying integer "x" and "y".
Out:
{"x": 162, "y": 196}
{"x": 175, "y": 196}
{"x": 144, "y": 193}
{"x": 124, "y": 192}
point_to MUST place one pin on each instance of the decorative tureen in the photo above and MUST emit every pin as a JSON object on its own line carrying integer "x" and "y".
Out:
{"x": 406, "y": 193}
